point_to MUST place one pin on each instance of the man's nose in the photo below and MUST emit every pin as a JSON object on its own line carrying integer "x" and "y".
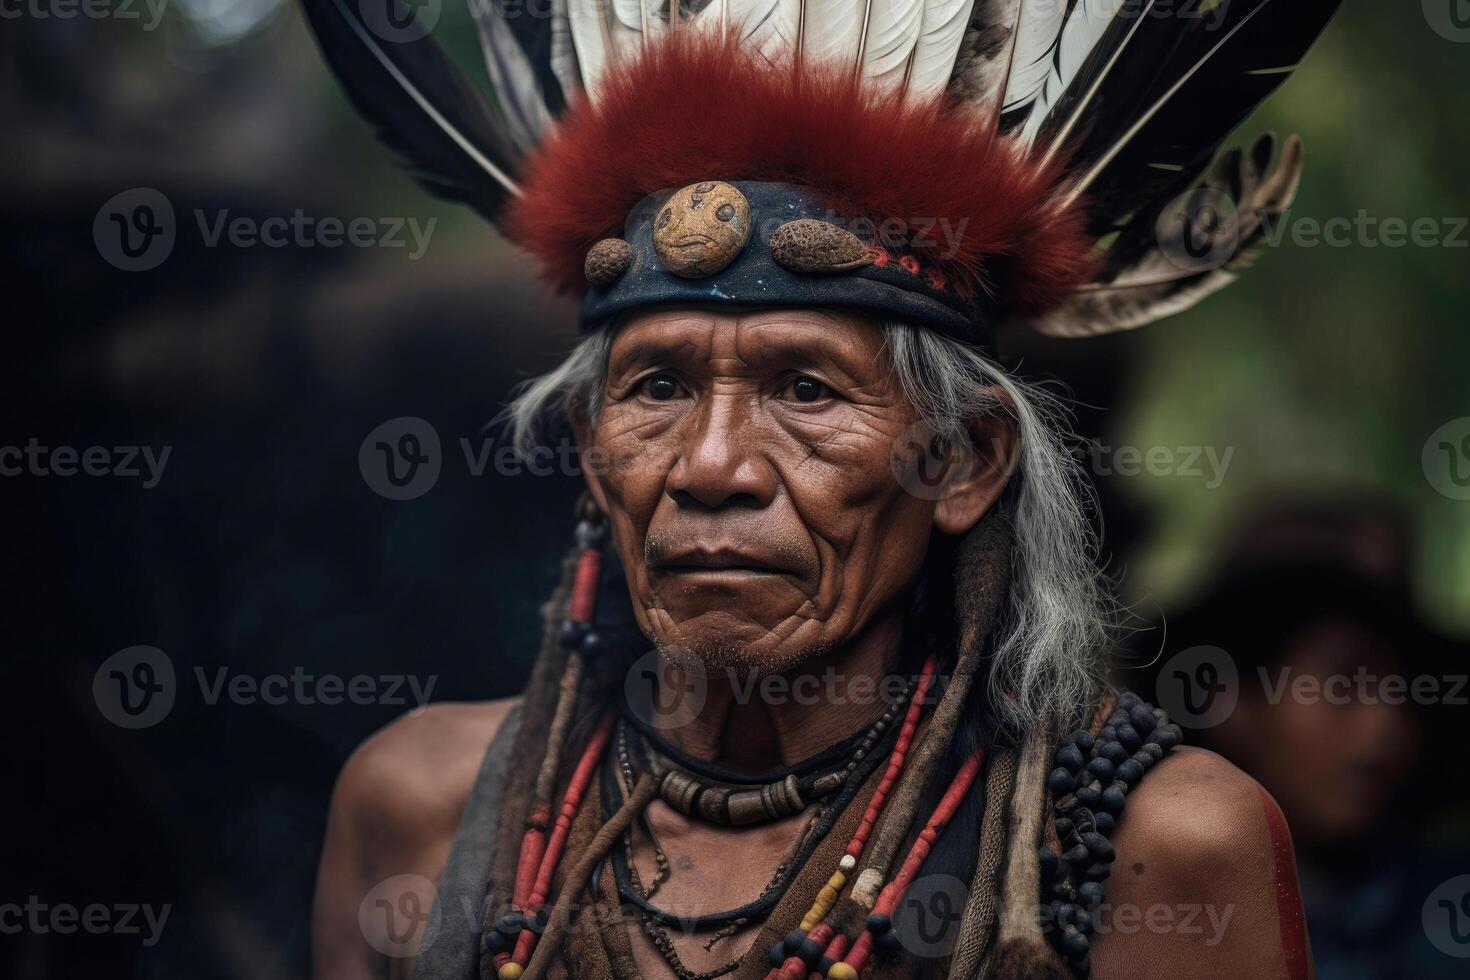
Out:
{"x": 721, "y": 462}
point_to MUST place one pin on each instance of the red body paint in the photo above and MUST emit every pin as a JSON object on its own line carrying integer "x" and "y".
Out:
{"x": 1288, "y": 892}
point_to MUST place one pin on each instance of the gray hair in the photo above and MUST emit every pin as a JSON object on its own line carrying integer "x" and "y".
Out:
{"x": 1050, "y": 645}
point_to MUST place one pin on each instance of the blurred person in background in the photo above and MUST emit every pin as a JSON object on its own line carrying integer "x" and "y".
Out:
{"x": 1331, "y": 689}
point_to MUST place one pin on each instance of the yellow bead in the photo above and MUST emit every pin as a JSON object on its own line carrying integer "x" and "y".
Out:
{"x": 841, "y": 971}
{"x": 513, "y": 971}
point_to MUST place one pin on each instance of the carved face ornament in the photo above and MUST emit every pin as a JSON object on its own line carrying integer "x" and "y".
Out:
{"x": 701, "y": 229}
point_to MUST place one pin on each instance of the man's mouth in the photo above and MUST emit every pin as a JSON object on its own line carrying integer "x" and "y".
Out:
{"x": 722, "y": 560}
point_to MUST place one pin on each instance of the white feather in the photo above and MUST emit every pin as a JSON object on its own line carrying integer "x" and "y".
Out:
{"x": 563, "y": 52}
{"x": 888, "y": 43}
{"x": 1085, "y": 28}
{"x": 591, "y": 40}
{"x": 831, "y": 31}
{"x": 775, "y": 36}
{"x": 940, "y": 33}
{"x": 1037, "y": 33}
{"x": 749, "y": 17}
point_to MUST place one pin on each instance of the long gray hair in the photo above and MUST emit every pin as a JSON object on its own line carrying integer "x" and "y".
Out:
{"x": 1050, "y": 645}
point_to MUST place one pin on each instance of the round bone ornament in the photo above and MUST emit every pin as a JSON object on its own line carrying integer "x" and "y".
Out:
{"x": 701, "y": 229}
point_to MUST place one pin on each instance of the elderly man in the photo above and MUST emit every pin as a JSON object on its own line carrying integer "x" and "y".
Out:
{"x": 822, "y": 690}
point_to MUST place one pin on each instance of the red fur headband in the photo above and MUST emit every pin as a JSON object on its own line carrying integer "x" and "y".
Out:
{"x": 697, "y": 107}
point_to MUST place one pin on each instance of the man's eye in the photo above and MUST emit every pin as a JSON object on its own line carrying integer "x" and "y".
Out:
{"x": 808, "y": 389}
{"x": 661, "y": 387}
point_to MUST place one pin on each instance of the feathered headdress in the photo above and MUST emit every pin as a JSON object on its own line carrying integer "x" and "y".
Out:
{"x": 945, "y": 162}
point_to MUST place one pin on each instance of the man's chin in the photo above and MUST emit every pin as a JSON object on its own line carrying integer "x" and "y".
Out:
{"x": 718, "y": 641}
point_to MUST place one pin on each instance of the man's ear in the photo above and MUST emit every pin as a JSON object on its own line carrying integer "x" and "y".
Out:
{"x": 589, "y": 455}
{"x": 992, "y": 458}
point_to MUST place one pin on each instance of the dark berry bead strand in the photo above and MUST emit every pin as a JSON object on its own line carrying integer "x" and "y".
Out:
{"x": 1090, "y": 782}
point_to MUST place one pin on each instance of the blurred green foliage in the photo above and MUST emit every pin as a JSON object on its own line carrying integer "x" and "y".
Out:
{"x": 1328, "y": 368}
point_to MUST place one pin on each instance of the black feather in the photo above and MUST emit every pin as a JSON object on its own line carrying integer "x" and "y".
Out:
{"x": 1251, "y": 50}
{"x": 421, "y": 105}
{"x": 530, "y": 25}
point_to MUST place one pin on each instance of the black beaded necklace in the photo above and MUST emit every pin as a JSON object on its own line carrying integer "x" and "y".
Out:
{"x": 845, "y": 767}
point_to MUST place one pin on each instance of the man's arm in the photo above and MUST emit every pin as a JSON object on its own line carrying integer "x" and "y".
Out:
{"x": 393, "y": 815}
{"x": 1205, "y": 883}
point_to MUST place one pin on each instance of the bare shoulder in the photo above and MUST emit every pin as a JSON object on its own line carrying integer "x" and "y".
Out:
{"x": 394, "y": 811}
{"x": 1192, "y": 810}
{"x": 1204, "y": 881}
{"x": 412, "y": 777}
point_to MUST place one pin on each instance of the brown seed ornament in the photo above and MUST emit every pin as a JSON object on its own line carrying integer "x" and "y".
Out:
{"x": 607, "y": 261}
{"x": 701, "y": 229}
{"x": 809, "y": 245}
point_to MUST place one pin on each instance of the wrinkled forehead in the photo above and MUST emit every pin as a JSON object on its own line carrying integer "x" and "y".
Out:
{"x": 753, "y": 341}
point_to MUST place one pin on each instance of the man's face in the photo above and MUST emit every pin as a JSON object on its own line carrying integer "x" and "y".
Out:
{"x": 748, "y": 482}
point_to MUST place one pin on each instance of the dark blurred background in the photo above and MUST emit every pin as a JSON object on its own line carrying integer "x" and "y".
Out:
{"x": 1332, "y": 378}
